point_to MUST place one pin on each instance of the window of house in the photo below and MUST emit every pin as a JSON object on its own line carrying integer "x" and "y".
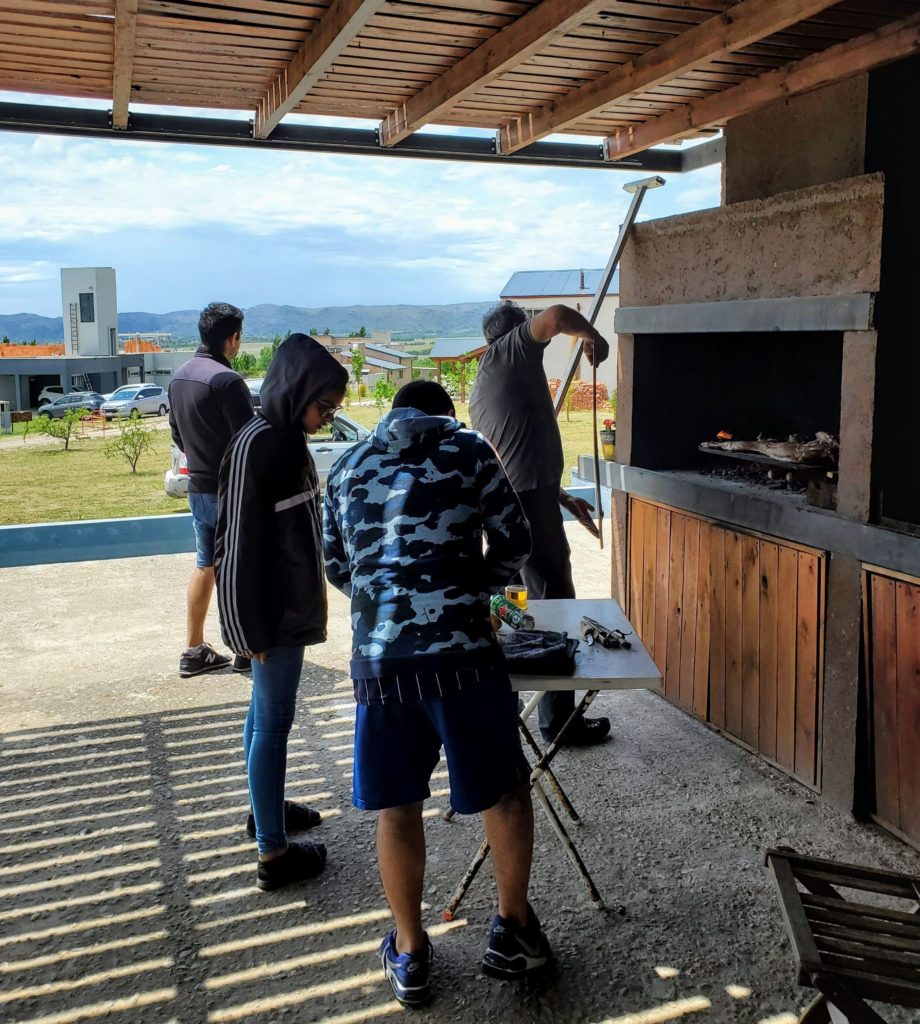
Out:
{"x": 87, "y": 308}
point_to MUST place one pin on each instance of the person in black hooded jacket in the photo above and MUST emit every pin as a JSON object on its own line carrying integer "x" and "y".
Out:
{"x": 271, "y": 585}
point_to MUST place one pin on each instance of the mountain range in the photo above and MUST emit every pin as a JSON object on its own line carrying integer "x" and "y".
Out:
{"x": 265, "y": 321}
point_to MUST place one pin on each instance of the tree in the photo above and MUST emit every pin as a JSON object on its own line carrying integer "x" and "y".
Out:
{"x": 5, "y": 340}
{"x": 328, "y": 331}
{"x": 360, "y": 333}
{"x": 267, "y": 354}
{"x": 357, "y": 365}
{"x": 314, "y": 332}
{"x": 245, "y": 363}
{"x": 383, "y": 392}
{"x": 134, "y": 440}
{"x": 62, "y": 429}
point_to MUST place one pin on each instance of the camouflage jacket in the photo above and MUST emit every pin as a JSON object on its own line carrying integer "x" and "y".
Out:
{"x": 405, "y": 516}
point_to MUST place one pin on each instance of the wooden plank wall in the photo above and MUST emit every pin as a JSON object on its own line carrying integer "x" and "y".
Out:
{"x": 735, "y": 623}
{"x": 893, "y": 669}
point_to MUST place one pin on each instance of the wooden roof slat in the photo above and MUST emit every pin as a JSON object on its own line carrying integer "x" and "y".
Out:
{"x": 743, "y": 24}
{"x": 513, "y": 44}
{"x": 123, "y": 60}
{"x": 894, "y": 41}
{"x": 339, "y": 26}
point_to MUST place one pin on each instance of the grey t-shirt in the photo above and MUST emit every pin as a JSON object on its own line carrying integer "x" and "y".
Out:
{"x": 512, "y": 407}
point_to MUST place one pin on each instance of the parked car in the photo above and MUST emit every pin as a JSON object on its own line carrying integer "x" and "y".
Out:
{"x": 325, "y": 448}
{"x": 90, "y": 400}
{"x": 50, "y": 394}
{"x": 255, "y": 389}
{"x": 137, "y": 400}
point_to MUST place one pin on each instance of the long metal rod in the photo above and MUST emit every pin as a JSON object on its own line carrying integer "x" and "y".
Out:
{"x": 599, "y": 296}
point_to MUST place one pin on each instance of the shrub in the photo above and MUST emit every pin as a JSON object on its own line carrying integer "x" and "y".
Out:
{"x": 362, "y": 390}
{"x": 134, "y": 440}
{"x": 62, "y": 429}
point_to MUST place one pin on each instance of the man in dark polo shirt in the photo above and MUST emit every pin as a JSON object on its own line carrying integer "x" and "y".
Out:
{"x": 208, "y": 403}
{"x": 511, "y": 405}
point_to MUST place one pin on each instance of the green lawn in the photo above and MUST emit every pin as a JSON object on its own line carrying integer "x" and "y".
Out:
{"x": 47, "y": 484}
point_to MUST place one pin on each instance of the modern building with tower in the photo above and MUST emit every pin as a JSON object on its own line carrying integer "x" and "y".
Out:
{"x": 92, "y": 355}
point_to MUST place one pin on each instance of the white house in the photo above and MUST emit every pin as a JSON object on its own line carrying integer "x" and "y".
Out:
{"x": 537, "y": 290}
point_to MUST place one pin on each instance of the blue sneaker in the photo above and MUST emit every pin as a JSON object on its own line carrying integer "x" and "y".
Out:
{"x": 515, "y": 952}
{"x": 409, "y": 975}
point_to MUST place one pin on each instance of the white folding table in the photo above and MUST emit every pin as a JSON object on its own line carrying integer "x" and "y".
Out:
{"x": 596, "y": 668}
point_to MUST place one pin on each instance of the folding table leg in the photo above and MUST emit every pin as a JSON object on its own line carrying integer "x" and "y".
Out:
{"x": 570, "y": 848}
{"x": 551, "y": 778}
{"x": 471, "y": 872}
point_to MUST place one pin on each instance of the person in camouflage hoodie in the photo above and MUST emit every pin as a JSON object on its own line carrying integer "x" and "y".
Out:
{"x": 406, "y": 515}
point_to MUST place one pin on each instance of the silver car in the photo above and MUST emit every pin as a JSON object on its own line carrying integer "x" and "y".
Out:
{"x": 88, "y": 400}
{"x": 137, "y": 400}
{"x": 325, "y": 449}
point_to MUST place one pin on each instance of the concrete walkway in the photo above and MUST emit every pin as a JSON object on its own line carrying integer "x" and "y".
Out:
{"x": 126, "y": 882}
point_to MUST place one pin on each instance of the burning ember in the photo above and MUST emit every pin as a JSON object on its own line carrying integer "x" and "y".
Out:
{"x": 724, "y": 435}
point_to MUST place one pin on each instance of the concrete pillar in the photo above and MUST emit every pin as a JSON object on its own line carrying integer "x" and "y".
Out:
{"x": 857, "y": 415}
{"x": 842, "y": 666}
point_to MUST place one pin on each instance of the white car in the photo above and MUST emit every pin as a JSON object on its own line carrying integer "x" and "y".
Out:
{"x": 325, "y": 449}
{"x": 137, "y": 400}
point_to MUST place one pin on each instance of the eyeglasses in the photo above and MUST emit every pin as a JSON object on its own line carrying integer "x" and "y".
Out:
{"x": 327, "y": 410}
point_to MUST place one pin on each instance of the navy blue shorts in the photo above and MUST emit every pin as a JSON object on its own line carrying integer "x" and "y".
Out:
{"x": 204, "y": 521}
{"x": 398, "y": 740}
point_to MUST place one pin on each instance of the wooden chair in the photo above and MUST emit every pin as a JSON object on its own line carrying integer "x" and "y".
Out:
{"x": 849, "y": 950}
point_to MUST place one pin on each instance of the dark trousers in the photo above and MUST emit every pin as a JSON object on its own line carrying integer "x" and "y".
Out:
{"x": 548, "y": 574}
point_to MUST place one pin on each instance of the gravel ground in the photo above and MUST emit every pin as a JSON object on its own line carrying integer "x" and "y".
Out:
{"x": 126, "y": 882}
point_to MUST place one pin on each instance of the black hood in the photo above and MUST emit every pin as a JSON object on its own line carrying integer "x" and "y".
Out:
{"x": 300, "y": 372}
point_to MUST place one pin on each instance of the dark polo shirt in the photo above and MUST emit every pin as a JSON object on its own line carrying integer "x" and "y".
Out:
{"x": 511, "y": 406}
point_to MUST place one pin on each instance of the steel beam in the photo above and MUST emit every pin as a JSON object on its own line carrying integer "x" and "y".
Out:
{"x": 208, "y": 131}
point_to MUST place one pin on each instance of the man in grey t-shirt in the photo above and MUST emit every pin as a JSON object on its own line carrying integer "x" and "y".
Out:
{"x": 511, "y": 405}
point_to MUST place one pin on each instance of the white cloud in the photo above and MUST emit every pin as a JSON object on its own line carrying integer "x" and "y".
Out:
{"x": 471, "y": 224}
{"x": 24, "y": 271}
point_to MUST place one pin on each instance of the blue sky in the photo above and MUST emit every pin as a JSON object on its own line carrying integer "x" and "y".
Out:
{"x": 184, "y": 225}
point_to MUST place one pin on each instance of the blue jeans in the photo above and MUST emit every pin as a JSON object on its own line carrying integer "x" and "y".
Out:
{"x": 265, "y": 735}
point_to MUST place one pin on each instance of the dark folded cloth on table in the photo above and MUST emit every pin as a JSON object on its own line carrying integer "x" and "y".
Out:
{"x": 539, "y": 652}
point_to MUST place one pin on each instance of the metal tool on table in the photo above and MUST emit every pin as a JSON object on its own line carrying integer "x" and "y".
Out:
{"x": 638, "y": 190}
{"x": 593, "y": 632}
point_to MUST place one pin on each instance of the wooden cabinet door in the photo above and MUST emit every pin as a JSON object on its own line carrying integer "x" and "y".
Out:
{"x": 892, "y": 610}
{"x": 735, "y": 623}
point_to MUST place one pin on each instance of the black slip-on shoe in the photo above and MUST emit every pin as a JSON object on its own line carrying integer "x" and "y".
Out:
{"x": 241, "y": 664}
{"x": 584, "y": 733}
{"x": 299, "y": 862}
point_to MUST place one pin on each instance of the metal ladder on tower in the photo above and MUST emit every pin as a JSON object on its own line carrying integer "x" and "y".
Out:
{"x": 74, "y": 329}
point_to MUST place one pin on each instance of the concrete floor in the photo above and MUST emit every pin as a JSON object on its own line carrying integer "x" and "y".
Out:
{"x": 126, "y": 883}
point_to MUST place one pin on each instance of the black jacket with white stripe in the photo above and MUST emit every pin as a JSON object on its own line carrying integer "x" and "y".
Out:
{"x": 269, "y": 541}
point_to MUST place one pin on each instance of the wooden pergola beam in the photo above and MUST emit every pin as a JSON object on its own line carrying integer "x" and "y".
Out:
{"x": 741, "y": 25}
{"x": 123, "y": 60}
{"x": 336, "y": 30}
{"x": 854, "y": 57}
{"x": 513, "y": 45}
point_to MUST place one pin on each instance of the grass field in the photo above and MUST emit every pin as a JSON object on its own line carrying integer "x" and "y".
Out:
{"x": 41, "y": 483}
{"x": 45, "y": 484}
